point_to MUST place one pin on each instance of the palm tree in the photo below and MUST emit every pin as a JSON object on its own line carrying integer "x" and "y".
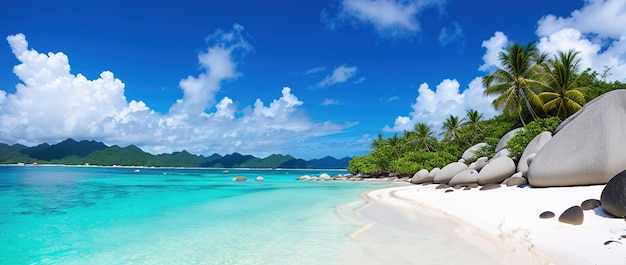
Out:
{"x": 562, "y": 97}
{"x": 516, "y": 81}
{"x": 451, "y": 127}
{"x": 379, "y": 142}
{"x": 473, "y": 119}
{"x": 424, "y": 137}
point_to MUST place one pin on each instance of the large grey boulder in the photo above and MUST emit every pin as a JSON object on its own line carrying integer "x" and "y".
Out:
{"x": 589, "y": 149}
{"x": 421, "y": 176}
{"x": 533, "y": 147}
{"x": 613, "y": 197}
{"x": 471, "y": 152}
{"x": 502, "y": 143}
{"x": 466, "y": 176}
{"x": 497, "y": 170}
{"x": 434, "y": 172}
{"x": 446, "y": 173}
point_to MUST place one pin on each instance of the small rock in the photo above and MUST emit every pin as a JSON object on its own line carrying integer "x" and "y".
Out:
{"x": 611, "y": 241}
{"x": 546, "y": 215}
{"x": 516, "y": 181}
{"x": 324, "y": 176}
{"x": 573, "y": 215}
{"x": 305, "y": 177}
{"x": 449, "y": 191}
{"x": 590, "y": 204}
{"x": 240, "y": 178}
{"x": 467, "y": 188}
{"x": 442, "y": 186}
{"x": 491, "y": 186}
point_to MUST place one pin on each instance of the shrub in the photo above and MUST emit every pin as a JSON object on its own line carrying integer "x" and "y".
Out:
{"x": 520, "y": 140}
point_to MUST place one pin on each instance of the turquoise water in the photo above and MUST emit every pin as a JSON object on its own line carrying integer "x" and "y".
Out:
{"x": 91, "y": 215}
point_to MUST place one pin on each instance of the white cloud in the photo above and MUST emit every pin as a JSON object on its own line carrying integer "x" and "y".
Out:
{"x": 329, "y": 102}
{"x": 314, "y": 70}
{"x": 604, "y": 18}
{"x": 51, "y": 104}
{"x": 494, "y": 46}
{"x": 448, "y": 35}
{"x": 596, "y": 30}
{"x": 340, "y": 74}
{"x": 393, "y": 18}
{"x": 199, "y": 92}
{"x": 392, "y": 98}
{"x": 433, "y": 107}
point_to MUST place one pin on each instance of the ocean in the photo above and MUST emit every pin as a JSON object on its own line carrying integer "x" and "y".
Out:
{"x": 105, "y": 215}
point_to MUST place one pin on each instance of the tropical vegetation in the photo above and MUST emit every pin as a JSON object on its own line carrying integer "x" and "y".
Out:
{"x": 531, "y": 90}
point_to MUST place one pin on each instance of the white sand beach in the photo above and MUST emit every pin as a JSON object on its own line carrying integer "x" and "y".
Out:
{"x": 500, "y": 226}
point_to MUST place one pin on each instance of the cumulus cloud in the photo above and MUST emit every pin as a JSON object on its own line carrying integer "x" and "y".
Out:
{"x": 392, "y": 18}
{"x": 596, "y": 30}
{"x": 494, "y": 46}
{"x": 51, "y": 104}
{"x": 341, "y": 74}
{"x": 434, "y": 106}
{"x": 604, "y": 18}
{"x": 199, "y": 92}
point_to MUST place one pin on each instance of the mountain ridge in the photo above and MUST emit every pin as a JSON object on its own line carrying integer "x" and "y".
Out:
{"x": 72, "y": 152}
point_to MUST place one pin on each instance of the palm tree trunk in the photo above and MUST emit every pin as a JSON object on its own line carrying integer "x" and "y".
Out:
{"x": 521, "y": 119}
{"x": 532, "y": 112}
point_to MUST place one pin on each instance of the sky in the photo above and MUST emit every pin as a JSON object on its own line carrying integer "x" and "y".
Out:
{"x": 305, "y": 78}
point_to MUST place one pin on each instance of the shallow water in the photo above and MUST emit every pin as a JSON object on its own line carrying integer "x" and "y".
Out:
{"x": 91, "y": 215}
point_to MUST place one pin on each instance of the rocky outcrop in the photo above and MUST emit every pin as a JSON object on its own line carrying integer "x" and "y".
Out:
{"x": 447, "y": 172}
{"x": 613, "y": 196}
{"x": 588, "y": 149}
{"x": 496, "y": 171}
{"x": 533, "y": 147}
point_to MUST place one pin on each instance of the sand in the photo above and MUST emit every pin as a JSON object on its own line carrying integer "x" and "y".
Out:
{"x": 500, "y": 226}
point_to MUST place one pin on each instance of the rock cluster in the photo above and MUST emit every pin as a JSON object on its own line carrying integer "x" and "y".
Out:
{"x": 586, "y": 149}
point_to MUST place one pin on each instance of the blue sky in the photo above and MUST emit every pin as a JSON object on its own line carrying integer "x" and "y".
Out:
{"x": 306, "y": 78}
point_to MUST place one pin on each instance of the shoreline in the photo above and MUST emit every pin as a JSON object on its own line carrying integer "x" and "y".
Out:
{"x": 500, "y": 226}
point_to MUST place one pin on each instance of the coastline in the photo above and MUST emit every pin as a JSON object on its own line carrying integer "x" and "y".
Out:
{"x": 500, "y": 226}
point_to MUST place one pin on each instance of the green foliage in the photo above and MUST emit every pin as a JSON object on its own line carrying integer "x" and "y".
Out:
{"x": 363, "y": 164}
{"x": 520, "y": 140}
{"x": 405, "y": 165}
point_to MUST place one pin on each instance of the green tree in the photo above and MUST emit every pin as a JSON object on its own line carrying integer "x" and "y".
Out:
{"x": 563, "y": 98}
{"x": 516, "y": 83}
{"x": 473, "y": 119}
{"x": 451, "y": 127}
{"x": 424, "y": 137}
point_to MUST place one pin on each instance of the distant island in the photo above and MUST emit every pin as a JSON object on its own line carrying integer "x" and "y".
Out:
{"x": 72, "y": 152}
